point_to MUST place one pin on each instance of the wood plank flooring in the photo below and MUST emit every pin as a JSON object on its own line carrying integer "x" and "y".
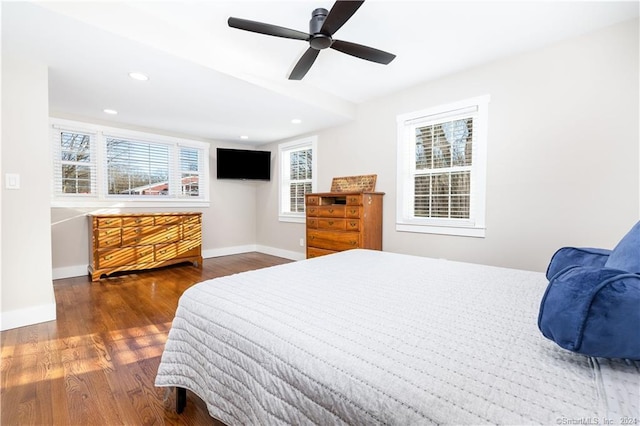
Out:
{"x": 96, "y": 364}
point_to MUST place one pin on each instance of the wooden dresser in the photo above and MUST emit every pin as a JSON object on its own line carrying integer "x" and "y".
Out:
{"x": 338, "y": 221}
{"x": 130, "y": 241}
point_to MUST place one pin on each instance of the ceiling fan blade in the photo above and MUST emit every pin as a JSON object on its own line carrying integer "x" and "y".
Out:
{"x": 363, "y": 52}
{"x": 268, "y": 29}
{"x": 340, "y": 13}
{"x": 303, "y": 65}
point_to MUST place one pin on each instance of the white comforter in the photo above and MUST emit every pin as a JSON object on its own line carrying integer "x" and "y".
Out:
{"x": 367, "y": 337}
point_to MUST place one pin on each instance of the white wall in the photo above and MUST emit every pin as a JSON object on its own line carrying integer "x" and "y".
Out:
{"x": 27, "y": 290}
{"x": 563, "y": 153}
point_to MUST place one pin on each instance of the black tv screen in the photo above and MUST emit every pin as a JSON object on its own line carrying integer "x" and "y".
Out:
{"x": 243, "y": 164}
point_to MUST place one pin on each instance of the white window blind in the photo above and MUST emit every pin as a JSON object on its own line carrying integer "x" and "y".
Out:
{"x": 442, "y": 169}
{"x": 137, "y": 168}
{"x": 190, "y": 172}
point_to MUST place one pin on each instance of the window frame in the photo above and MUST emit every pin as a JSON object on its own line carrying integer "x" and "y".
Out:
{"x": 284, "y": 151}
{"x": 406, "y": 221}
{"x": 101, "y": 198}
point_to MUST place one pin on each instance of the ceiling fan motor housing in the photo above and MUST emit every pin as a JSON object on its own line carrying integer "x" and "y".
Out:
{"x": 318, "y": 40}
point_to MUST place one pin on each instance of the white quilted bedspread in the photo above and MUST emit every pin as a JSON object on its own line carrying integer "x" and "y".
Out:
{"x": 366, "y": 337}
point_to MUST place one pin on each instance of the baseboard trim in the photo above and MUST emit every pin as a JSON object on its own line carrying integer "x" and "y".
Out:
{"x": 226, "y": 251}
{"x": 81, "y": 270}
{"x": 69, "y": 271}
{"x": 28, "y": 316}
{"x": 287, "y": 254}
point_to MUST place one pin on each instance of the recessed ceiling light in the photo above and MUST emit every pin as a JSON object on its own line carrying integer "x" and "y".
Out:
{"x": 296, "y": 121}
{"x": 110, "y": 111}
{"x": 244, "y": 137}
{"x": 138, "y": 76}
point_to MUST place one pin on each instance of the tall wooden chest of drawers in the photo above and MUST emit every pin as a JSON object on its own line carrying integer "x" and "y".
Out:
{"x": 131, "y": 241}
{"x": 338, "y": 221}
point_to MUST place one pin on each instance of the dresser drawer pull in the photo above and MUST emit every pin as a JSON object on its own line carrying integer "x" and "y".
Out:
{"x": 330, "y": 210}
{"x": 313, "y": 237}
{"x": 353, "y": 224}
{"x": 137, "y": 231}
{"x": 108, "y": 222}
{"x": 330, "y": 223}
{"x": 353, "y": 243}
{"x": 138, "y": 220}
{"x": 353, "y": 211}
{"x": 108, "y": 257}
{"x": 353, "y": 199}
{"x": 163, "y": 251}
{"x": 167, "y": 237}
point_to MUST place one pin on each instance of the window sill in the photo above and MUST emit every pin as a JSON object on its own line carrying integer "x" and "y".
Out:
{"x": 116, "y": 204}
{"x": 442, "y": 230}
{"x": 292, "y": 219}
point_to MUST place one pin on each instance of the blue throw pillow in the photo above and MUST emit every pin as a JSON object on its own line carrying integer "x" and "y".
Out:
{"x": 626, "y": 255}
{"x": 593, "y": 311}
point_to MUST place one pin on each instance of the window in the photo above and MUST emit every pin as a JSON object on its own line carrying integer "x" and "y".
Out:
{"x": 100, "y": 166}
{"x": 441, "y": 169}
{"x": 75, "y": 168}
{"x": 297, "y": 177}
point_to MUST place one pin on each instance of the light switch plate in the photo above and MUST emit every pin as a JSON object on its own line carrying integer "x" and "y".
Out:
{"x": 12, "y": 181}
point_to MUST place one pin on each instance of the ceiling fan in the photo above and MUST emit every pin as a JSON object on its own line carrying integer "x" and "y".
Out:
{"x": 322, "y": 26}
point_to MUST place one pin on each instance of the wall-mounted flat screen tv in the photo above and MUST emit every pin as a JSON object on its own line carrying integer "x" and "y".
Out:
{"x": 243, "y": 164}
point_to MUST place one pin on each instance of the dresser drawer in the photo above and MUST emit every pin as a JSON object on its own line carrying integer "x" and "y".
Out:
{"x": 353, "y": 212}
{"x": 333, "y": 240}
{"x": 137, "y": 221}
{"x": 312, "y": 222}
{"x": 335, "y": 224}
{"x": 354, "y": 200}
{"x": 312, "y": 211}
{"x": 192, "y": 231}
{"x": 190, "y": 220}
{"x": 109, "y": 222}
{"x": 168, "y": 235}
{"x": 124, "y": 256}
{"x": 189, "y": 248}
{"x": 331, "y": 211}
{"x": 352, "y": 224}
{"x": 166, "y": 251}
{"x": 312, "y": 200}
{"x": 316, "y": 252}
{"x": 167, "y": 220}
{"x": 111, "y": 239}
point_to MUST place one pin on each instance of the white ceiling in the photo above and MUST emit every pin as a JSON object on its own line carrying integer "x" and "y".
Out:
{"x": 213, "y": 82}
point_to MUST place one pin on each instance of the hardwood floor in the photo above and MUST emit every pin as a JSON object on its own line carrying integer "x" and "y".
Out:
{"x": 96, "y": 364}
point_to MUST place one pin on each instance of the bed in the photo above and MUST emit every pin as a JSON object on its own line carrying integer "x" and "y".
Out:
{"x": 369, "y": 337}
